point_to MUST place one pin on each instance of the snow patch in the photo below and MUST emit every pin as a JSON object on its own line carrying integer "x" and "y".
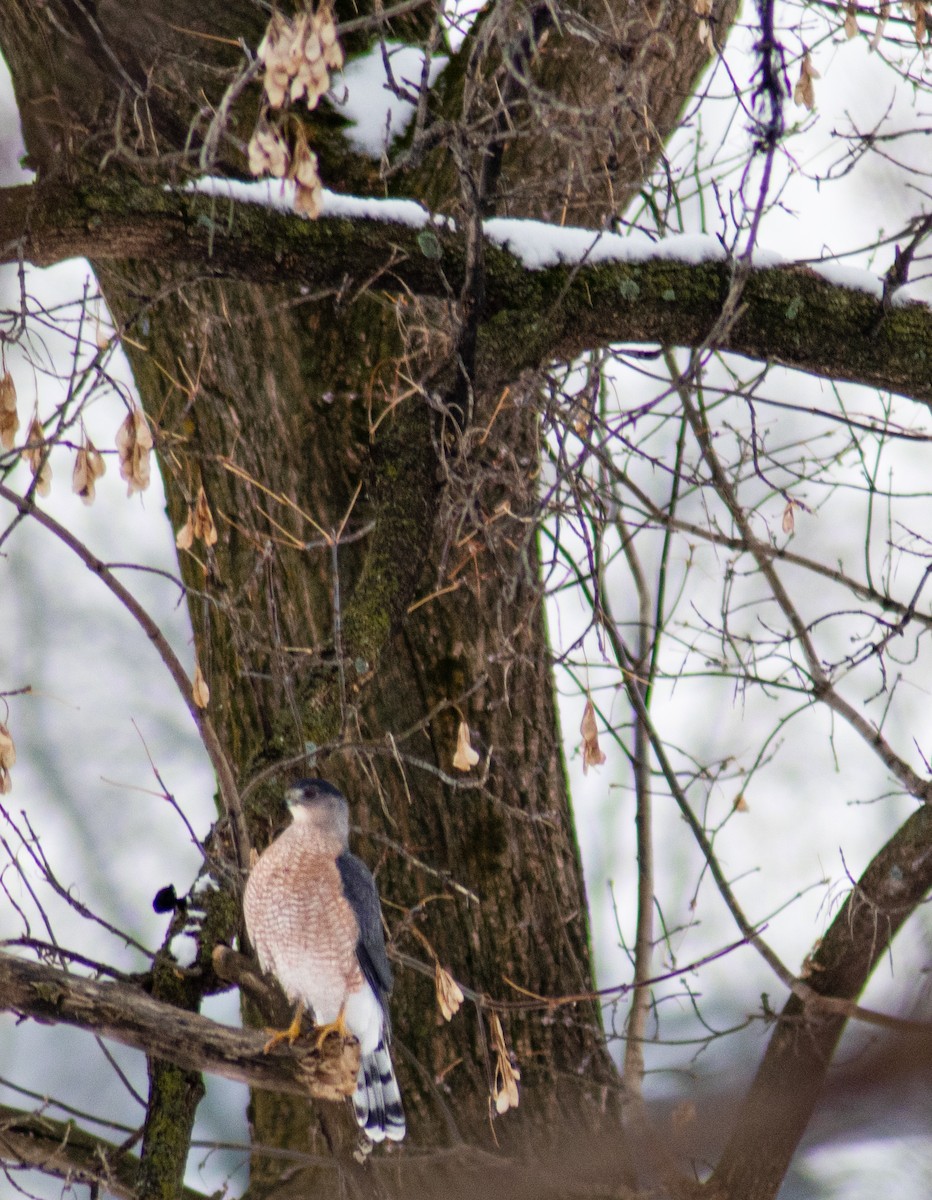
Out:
{"x": 363, "y": 95}
{"x": 402, "y": 212}
{"x": 853, "y": 278}
{"x": 183, "y": 949}
{"x": 539, "y": 245}
{"x": 279, "y": 194}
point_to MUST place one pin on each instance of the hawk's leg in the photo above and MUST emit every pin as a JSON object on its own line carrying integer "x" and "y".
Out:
{"x": 289, "y": 1035}
{"x": 322, "y": 1032}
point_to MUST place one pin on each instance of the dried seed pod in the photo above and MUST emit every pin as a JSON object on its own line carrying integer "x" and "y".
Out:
{"x": 36, "y": 454}
{"x": 89, "y": 466}
{"x": 9, "y": 418}
{"x": 593, "y": 756}
{"x": 465, "y": 757}
{"x": 134, "y": 443}
{"x": 199, "y": 690}
{"x": 449, "y": 992}
{"x": 203, "y": 522}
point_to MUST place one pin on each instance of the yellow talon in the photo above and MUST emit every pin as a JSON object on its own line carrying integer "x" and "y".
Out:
{"x": 289, "y": 1035}
{"x": 338, "y": 1026}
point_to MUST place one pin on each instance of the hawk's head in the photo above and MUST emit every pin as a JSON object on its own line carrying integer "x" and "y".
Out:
{"x": 319, "y": 803}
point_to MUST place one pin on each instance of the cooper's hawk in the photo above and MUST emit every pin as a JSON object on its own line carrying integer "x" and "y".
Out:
{"x": 313, "y": 915}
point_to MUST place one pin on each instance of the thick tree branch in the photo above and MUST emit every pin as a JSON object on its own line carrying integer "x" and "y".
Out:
{"x": 130, "y": 1016}
{"x": 531, "y": 76}
{"x": 790, "y": 314}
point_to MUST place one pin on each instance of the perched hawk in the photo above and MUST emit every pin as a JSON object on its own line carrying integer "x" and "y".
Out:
{"x": 313, "y": 915}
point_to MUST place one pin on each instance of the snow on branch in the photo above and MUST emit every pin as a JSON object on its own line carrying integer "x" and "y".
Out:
{"x": 558, "y": 292}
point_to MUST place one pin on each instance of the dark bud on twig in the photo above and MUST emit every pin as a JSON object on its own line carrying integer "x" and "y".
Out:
{"x": 166, "y": 900}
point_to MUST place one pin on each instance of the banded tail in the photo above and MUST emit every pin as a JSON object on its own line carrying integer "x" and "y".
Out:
{"x": 377, "y": 1101}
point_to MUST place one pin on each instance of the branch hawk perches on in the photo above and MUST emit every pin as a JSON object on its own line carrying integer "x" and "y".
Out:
{"x": 313, "y": 915}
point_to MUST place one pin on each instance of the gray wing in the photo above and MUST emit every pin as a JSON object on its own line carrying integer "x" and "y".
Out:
{"x": 360, "y": 890}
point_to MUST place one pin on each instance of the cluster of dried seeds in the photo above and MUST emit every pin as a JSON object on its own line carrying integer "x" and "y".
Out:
{"x": 297, "y": 54}
{"x": 134, "y": 444}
